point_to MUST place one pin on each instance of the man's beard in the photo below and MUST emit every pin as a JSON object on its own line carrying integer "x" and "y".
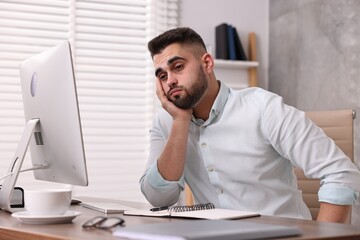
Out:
{"x": 193, "y": 93}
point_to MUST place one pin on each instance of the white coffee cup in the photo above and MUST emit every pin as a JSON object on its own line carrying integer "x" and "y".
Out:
{"x": 46, "y": 202}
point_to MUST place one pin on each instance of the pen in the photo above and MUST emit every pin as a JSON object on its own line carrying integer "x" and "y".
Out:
{"x": 159, "y": 208}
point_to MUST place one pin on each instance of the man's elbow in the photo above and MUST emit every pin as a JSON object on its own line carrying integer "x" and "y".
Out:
{"x": 334, "y": 213}
{"x": 159, "y": 198}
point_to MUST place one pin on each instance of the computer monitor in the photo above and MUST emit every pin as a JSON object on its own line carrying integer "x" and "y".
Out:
{"x": 53, "y": 128}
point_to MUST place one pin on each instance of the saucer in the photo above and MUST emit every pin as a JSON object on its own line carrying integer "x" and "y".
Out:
{"x": 24, "y": 217}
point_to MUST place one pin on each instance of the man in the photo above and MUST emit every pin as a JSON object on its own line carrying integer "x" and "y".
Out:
{"x": 235, "y": 149}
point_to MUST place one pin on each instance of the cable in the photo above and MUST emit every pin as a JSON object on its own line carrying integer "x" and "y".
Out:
{"x": 6, "y": 175}
{"x": 24, "y": 170}
{"x": 33, "y": 168}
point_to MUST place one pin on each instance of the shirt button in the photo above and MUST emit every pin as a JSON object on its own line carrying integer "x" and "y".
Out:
{"x": 210, "y": 169}
{"x": 220, "y": 191}
{"x": 203, "y": 145}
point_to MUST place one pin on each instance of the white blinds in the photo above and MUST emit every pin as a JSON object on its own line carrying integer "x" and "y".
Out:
{"x": 114, "y": 80}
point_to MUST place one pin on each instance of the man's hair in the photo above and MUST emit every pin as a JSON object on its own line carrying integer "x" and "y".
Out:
{"x": 182, "y": 35}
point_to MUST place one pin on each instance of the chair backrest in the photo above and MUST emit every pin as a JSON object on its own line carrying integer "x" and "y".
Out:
{"x": 338, "y": 125}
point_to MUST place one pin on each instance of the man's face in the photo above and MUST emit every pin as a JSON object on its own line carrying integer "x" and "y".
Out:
{"x": 181, "y": 74}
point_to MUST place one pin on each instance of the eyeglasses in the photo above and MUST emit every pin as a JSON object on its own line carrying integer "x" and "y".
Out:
{"x": 103, "y": 222}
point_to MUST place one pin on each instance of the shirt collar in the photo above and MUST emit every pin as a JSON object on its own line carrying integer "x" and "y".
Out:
{"x": 217, "y": 107}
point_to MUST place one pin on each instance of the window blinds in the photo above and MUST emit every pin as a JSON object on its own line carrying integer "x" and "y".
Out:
{"x": 114, "y": 80}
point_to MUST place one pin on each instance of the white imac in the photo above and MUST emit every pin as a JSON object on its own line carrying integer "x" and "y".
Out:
{"x": 53, "y": 127}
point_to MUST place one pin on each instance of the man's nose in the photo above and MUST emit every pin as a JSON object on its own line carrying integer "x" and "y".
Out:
{"x": 171, "y": 80}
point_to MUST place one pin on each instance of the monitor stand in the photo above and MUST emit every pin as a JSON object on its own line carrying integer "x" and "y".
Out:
{"x": 7, "y": 188}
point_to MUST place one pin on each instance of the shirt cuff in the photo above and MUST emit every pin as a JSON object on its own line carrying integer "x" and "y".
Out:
{"x": 339, "y": 195}
{"x": 157, "y": 181}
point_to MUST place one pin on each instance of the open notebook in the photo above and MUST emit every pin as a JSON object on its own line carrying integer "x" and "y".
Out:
{"x": 205, "y": 211}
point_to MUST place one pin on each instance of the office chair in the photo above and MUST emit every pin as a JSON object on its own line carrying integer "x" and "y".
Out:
{"x": 338, "y": 125}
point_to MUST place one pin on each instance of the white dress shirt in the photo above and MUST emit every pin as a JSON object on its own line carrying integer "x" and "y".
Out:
{"x": 242, "y": 157}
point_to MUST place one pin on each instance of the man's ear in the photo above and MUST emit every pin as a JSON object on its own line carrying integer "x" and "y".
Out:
{"x": 208, "y": 62}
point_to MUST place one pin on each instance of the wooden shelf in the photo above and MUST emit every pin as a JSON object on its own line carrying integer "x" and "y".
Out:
{"x": 236, "y": 64}
{"x": 235, "y": 73}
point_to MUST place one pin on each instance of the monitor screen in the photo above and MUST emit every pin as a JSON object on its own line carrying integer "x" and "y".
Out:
{"x": 49, "y": 94}
{"x": 53, "y": 127}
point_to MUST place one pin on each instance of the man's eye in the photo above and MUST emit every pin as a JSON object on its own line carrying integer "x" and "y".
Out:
{"x": 179, "y": 67}
{"x": 162, "y": 77}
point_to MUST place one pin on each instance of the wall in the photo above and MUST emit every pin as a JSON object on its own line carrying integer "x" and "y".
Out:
{"x": 315, "y": 57}
{"x": 246, "y": 15}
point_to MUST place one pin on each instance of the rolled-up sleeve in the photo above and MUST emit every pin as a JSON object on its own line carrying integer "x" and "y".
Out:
{"x": 157, "y": 190}
{"x": 337, "y": 195}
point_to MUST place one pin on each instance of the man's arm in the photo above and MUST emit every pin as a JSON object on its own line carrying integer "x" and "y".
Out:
{"x": 172, "y": 159}
{"x": 307, "y": 147}
{"x": 333, "y": 213}
{"x": 162, "y": 182}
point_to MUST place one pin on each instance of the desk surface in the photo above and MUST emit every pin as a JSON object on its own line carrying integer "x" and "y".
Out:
{"x": 11, "y": 228}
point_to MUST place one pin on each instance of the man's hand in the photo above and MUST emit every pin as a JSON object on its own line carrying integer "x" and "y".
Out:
{"x": 333, "y": 213}
{"x": 174, "y": 111}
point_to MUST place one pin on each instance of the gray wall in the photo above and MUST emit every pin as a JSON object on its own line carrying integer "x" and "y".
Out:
{"x": 314, "y": 57}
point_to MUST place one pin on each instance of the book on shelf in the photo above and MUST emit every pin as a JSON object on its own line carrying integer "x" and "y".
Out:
{"x": 240, "y": 53}
{"x": 221, "y": 41}
{"x": 228, "y": 45}
{"x": 231, "y": 43}
{"x": 200, "y": 211}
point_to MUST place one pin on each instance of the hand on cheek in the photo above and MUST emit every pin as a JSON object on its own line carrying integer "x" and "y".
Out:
{"x": 169, "y": 106}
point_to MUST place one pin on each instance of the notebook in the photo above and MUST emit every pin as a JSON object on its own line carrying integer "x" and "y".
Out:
{"x": 107, "y": 207}
{"x": 201, "y": 211}
{"x": 206, "y": 229}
